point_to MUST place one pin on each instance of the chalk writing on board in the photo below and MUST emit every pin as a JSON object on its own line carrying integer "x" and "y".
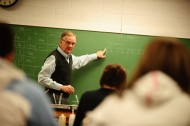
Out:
{"x": 20, "y": 45}
{"x": 120, "y": 48}
{"x": 29, "y": 60}
{"x": 19, "y": 60}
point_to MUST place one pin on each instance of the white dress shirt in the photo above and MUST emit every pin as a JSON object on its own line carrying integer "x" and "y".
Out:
{"x": 44, "y": 76}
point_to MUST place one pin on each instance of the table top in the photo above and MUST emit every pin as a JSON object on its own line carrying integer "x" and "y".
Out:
{"x": 64, "y": 106}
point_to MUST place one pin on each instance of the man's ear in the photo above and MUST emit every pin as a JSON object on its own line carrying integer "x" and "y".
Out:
{"x": 10, "y": 56}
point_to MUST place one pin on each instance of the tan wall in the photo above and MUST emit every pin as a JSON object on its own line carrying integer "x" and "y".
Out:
{"x": 146, "y": 17}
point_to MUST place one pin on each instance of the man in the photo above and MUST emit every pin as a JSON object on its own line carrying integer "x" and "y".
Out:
{"x": 23, "y": 103}
{"x": 56, "y": 72}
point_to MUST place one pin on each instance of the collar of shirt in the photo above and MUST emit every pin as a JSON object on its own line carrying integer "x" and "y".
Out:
{"x": 63, "y": 53}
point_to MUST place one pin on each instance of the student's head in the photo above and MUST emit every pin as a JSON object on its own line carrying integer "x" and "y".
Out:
{"x": 114, "y": 76}
{"x": 6, "y": 42}
{"x": 67, "y": 42}
{"x": 169, "y": 56}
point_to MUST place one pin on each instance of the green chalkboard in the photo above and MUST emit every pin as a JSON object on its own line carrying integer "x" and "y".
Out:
{"x": 33, "y": 44}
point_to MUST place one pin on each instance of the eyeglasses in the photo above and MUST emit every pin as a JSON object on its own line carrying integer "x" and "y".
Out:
{"x": 69, "y": 43}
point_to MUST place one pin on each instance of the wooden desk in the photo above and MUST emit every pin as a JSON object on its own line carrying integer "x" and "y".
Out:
{"x": 64, "y": 109}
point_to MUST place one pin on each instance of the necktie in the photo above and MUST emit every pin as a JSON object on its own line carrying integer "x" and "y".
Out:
{"x": 68, "y": 58}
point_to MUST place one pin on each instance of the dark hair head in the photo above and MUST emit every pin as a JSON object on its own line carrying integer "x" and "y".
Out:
{"x": 114, "y": 75}
{"x": 6, "y": 40}
{"x": 169, "y": 56}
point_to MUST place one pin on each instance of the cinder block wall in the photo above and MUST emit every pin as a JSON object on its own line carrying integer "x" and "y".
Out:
{"x": 144, "y": 17}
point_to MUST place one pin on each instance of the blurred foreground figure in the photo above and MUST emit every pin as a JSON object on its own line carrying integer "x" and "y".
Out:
{"x": 113, "y": 80}
{"x": 158, "y": 94}
{"x": 23, "y": 103}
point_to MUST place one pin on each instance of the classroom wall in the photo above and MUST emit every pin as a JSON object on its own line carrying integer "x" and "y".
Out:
{"x": 144, "y": 17}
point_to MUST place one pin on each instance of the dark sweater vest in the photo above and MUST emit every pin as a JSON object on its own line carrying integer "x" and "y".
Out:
{"x": 62, "y": 73}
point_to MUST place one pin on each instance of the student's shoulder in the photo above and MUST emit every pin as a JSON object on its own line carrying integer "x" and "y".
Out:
{"x": 14, "y": 105}
{"x": 91, "y": 94}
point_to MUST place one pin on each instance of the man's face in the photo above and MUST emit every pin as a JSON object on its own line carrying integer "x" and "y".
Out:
{"x": 67, "y": 44}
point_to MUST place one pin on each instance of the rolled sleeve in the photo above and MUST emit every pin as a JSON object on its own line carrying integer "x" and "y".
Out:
{"x": 81, "y": 61}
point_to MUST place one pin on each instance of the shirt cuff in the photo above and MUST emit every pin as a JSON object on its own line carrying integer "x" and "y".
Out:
{"x": 58, "y": 87}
